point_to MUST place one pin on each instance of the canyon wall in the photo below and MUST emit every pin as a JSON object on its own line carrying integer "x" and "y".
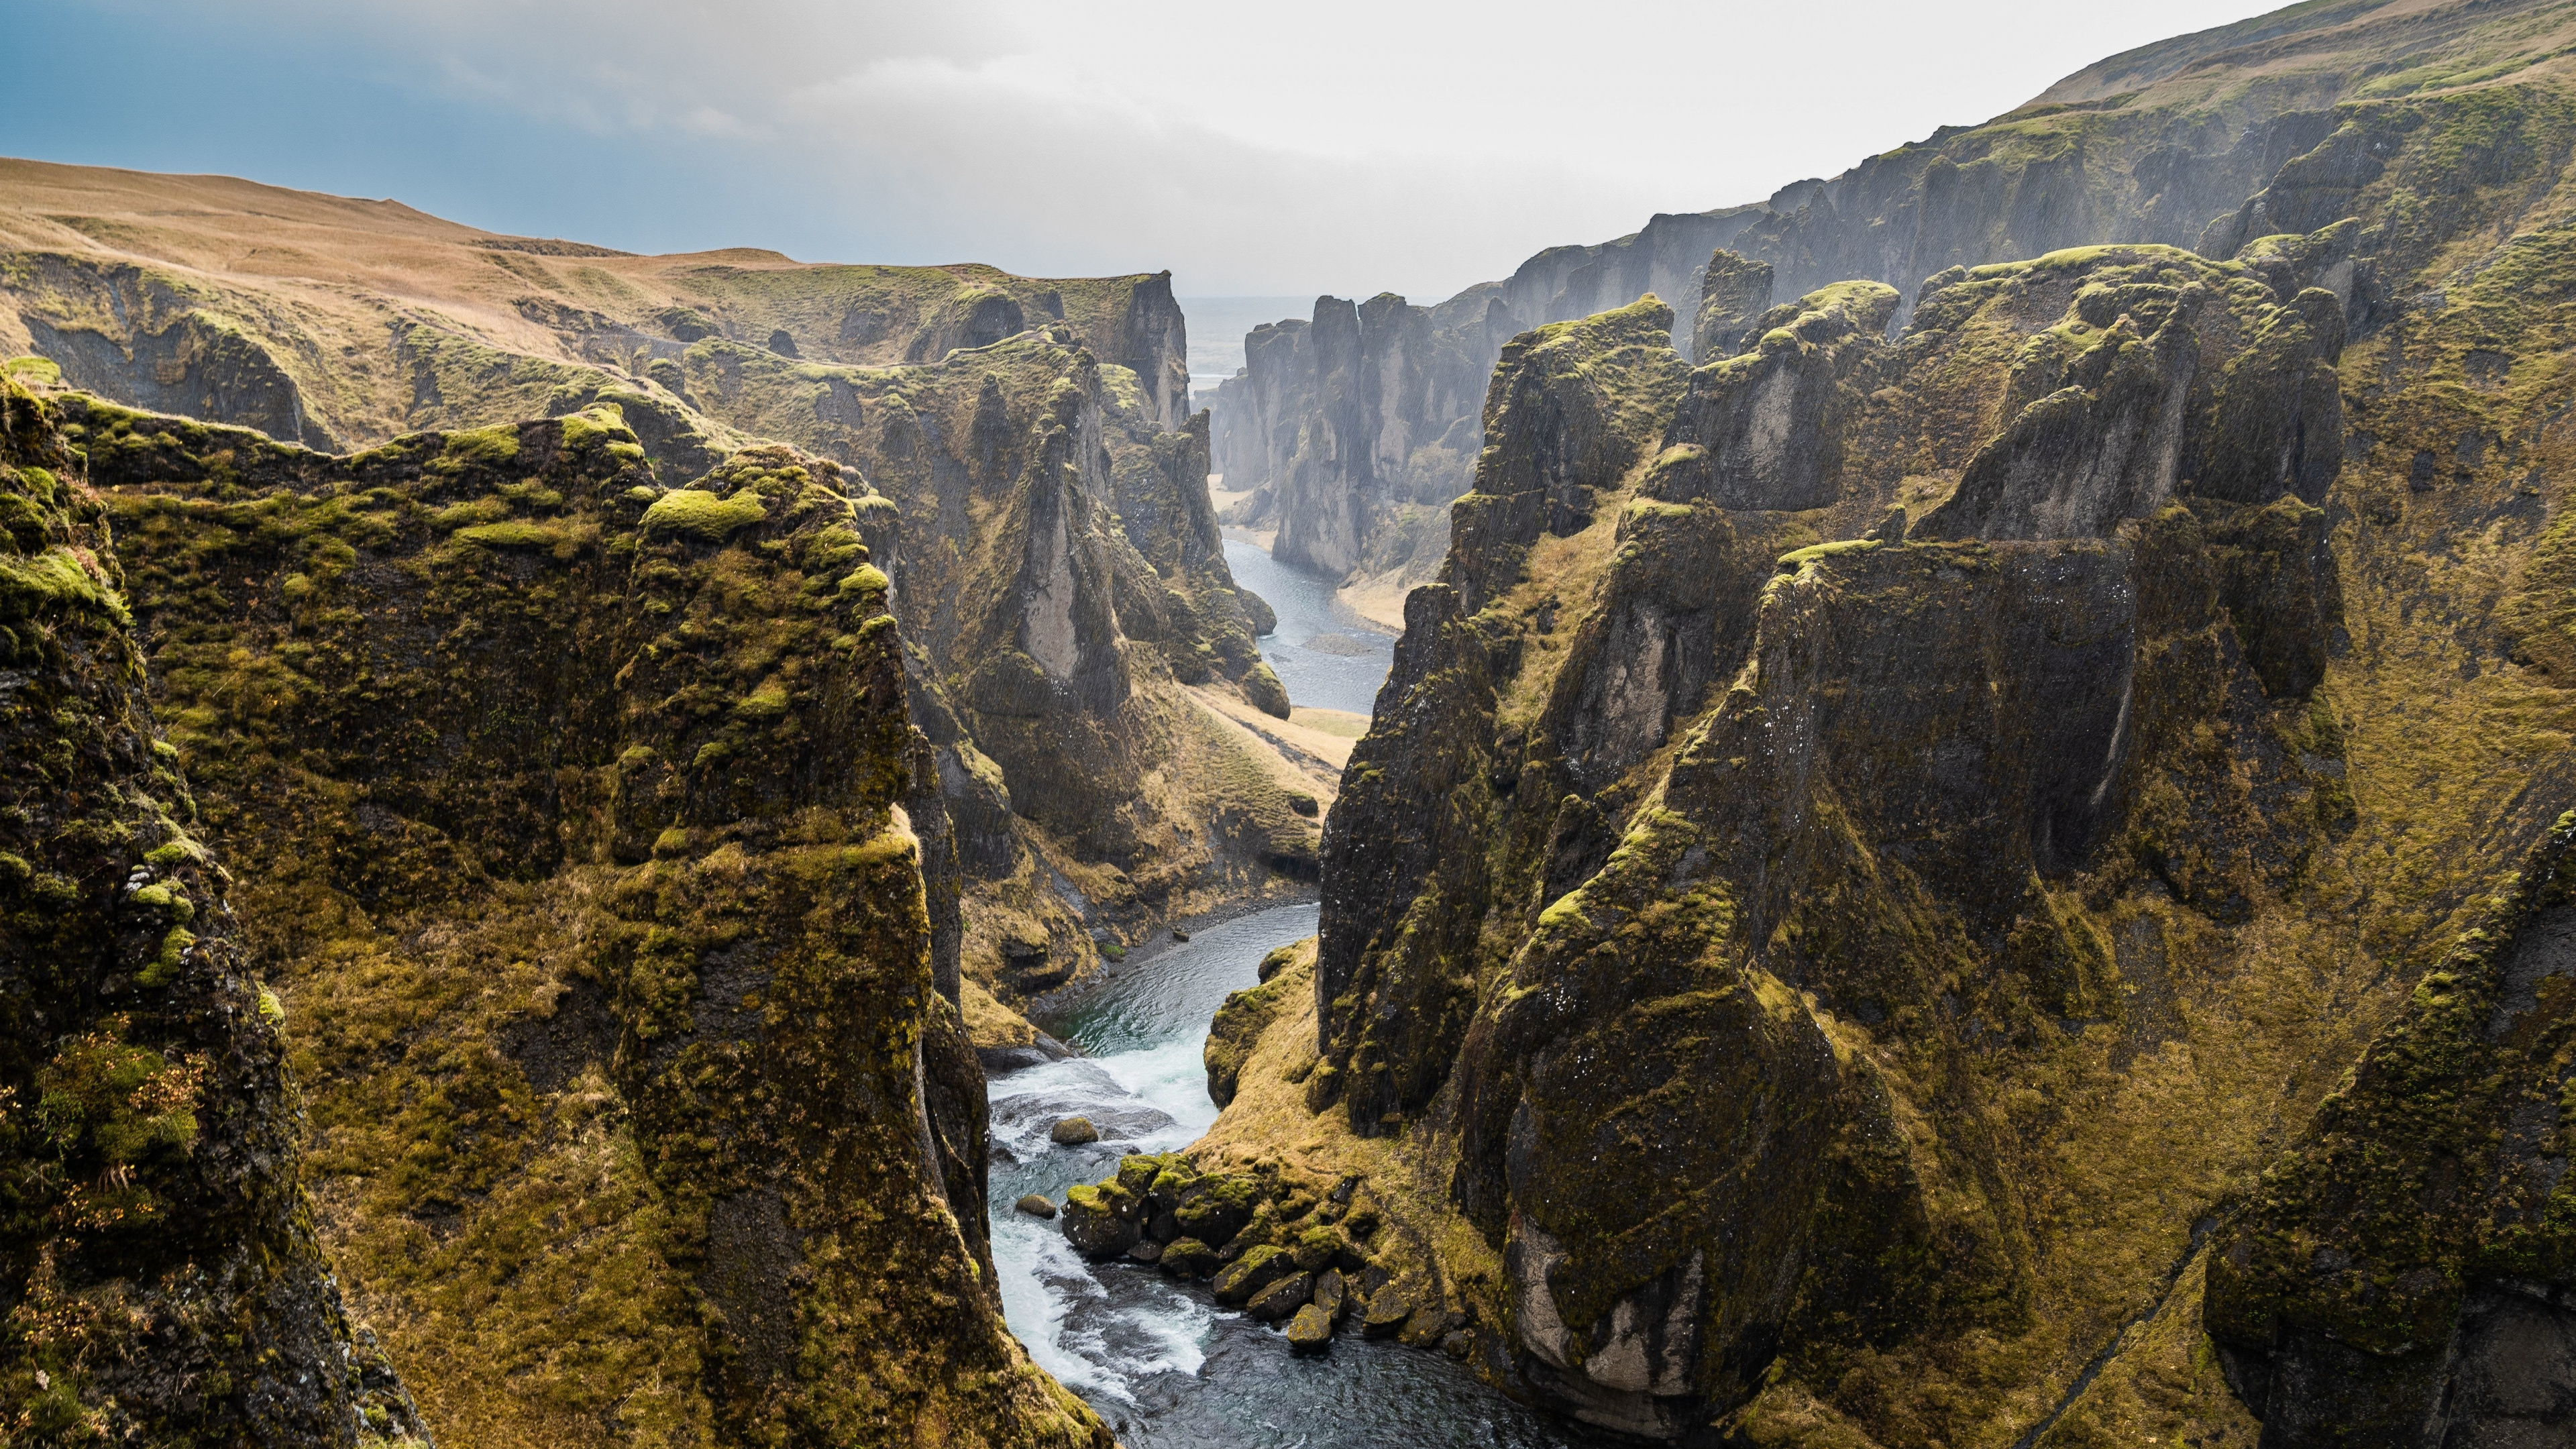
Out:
{"x": 582, "y": 865}
{"x": 1075, "y": 638}
{"x": 159, "y": 1262}
{"x": 2160, "y": 144}
{"x": 1992, "y": 855}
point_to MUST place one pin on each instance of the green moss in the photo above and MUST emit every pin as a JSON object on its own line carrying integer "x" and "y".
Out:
{"x": 703, "y": 516}
{"x": 52, "y": 582}
{"x": 518, "y": 533}
{"x": 484, "y": 447}
{"x": 1797, "y": 559}
{"x": 166, "y": 964}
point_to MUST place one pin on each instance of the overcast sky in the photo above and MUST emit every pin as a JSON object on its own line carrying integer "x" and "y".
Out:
{"x": 1288, "y": 148}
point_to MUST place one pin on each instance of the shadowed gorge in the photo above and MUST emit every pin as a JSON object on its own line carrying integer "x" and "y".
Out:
{"x": 1965, "y": 843}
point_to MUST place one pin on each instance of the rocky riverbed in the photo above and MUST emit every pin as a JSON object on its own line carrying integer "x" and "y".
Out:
{"x": 1169, "y": 1358}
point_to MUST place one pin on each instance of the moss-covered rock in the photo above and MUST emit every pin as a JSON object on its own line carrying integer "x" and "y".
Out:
{"x": 1100, "y": 1222}
{"x": 1280, "y": 1298}
{"x": 560, "y": 861}
{"x": 1254, "y": 1271}
{"x": 1310, "y": 1331}
{"x": 1189, "y": 1258}
{"x": 1911, "y": 885}
{"x": 162, "y": 1274}
{"x": 1238, "y": 1024}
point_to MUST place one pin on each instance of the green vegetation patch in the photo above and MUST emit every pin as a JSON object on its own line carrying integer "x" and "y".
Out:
{"x": 703, "y": 516}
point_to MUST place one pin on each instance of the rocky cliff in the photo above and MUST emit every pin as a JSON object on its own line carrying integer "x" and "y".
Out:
{"x": 1352, "y": 432}
{"x": 1076, "y": 640}
{"x": 162, "y": 1278}
{"x": 578, "y": 842}
{"x": 1923, "y": 821}
{"x": 2162, "y": 144}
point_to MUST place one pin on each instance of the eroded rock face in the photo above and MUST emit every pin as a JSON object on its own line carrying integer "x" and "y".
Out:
{"x": 1057, "y": 566}
{"x": 1734, "y": 293}
{"x": 164, "y": 1281}
{"x": 1764, "y": 430}
{"x": 1776, "y": 825}
{"x": 2408, "y": 1276}
{"x": 613, "y": 784}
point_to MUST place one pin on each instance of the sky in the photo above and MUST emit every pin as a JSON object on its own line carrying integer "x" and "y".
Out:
{"x": 1344, "y": 146}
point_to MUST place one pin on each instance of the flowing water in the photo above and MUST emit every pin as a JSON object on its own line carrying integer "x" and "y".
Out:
{"x": 1323, "y": 651}
{"x": 1157, "y": 1358}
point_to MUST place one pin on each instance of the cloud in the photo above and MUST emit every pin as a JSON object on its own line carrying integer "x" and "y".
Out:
{"x": 1342, "y": 144}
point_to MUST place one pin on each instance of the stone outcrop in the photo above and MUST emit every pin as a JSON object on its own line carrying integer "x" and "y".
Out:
{"x": 163, "y": 1278}
{"x": 1887, "y": 901}
{"x": 570, "y": 819}
{"x": 1764, "y": 430}
{"x": 1734, "y": 293}
{"x": 2165, "y": 144}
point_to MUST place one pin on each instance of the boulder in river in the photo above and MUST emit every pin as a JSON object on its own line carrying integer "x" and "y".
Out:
{"x": 1281, "y": 1298}
{"x": 1330, "y": 1292}
{"x": 1387, "y": 1311}
{"x": 1036, "y": 1206}
{"x": 1257, "y": 1269}
{"x": 1190, "y": 1258}
{"x": 1073, "y": 1132}
{"x": 1311, "y": 1331}
{"x": 1147, "y": 1251}
{"x": 1093, "y": 1224}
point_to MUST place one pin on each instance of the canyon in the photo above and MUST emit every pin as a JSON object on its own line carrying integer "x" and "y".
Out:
{"x": 1965, "y": 840}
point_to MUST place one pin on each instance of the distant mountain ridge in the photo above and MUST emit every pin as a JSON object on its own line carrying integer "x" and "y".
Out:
{"x": 1352, "y": 439}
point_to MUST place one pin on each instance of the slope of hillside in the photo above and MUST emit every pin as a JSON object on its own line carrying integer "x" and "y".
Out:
{"x": 1927, "y": 819}
{"x": 1043, "y": 505}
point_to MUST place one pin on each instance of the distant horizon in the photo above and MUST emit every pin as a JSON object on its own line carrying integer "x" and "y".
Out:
{"x": 1239, "y": 151}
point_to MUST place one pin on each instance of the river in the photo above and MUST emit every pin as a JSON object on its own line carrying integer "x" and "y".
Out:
{"x": 1158, "y": 1359}
{"x": 1323, "y": 651}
